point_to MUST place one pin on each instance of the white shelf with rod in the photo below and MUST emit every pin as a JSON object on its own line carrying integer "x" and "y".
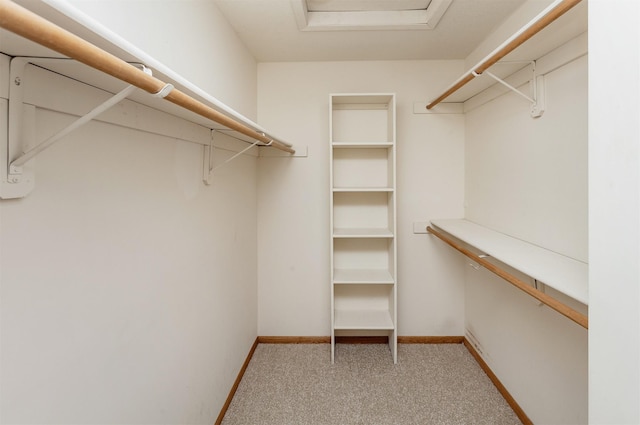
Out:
{"x": 52, "y": 34}
{"x": 363, "y": 217}
{"x": 564, "y": 274}
{"x": 557, "y": 24}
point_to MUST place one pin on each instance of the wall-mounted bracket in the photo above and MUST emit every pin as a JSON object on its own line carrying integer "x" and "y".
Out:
{"x": 16, "y": 165}
{"x": 537, "y": 98}
{"x": 537, "y": 108}
{"x": 16, "y": 161}
{"x": 209, "y": 168}
{"x": 19, "y": 136}
{"x": 207, "y": 162}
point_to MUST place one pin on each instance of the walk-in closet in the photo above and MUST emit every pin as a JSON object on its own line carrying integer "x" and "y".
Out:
{"x": 319, "y": 211}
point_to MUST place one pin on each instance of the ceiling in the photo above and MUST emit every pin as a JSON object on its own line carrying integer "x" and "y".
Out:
{"x": 270, "y": 31}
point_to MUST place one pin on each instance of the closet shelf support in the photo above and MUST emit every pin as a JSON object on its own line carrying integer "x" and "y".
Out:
{"x": 208, "y": 158}
{"x": 16, "y": 165}
{"x": 18, "y": 177}
{"x": 211, "y": 170}
{"x": 15, "y": 116}
{"x": 537, "y": 89}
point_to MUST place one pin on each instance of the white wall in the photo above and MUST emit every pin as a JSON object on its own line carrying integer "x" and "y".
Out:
{"x": 614, "y": 212}
{"x": 129, "y": 289}
{"x": 528, "y": 178}
{"x": 293, "y": 216}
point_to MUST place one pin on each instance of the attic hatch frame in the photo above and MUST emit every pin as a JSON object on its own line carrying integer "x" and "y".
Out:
{"x": 16, "y": 172}
{"x": 363, "y": 19}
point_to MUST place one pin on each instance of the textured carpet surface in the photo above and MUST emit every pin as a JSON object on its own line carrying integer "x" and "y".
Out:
{"x": 431, "y": 384}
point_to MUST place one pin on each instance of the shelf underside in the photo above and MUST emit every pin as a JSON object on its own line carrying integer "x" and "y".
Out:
{"x": 82, "y": 73}
{"x": 362, "y": 233}
{"x": 362, "y": 145}
{"x": 16, "y": 46}
{"x": 363, "y": 189}
{"x": 363, "y": 320}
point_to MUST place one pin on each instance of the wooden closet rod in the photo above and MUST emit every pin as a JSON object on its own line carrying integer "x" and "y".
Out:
{"x": 546, "y": 17}
{"x": 561, "y": 308}
{"x": 27, "y": 24}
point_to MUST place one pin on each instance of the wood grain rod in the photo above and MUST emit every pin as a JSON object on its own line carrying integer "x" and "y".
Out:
{"x": 561, "y": 308}
{"x": 523, "y": 35}
{"x": 27, "y": 24}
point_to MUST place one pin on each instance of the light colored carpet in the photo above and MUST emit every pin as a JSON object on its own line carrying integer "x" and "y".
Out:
{"x": 431, "y": 384}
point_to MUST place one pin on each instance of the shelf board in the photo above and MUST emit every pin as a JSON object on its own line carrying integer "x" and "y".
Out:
{"x": 564, "y": 274}
{"x": 362, "y": 233}
{"x": 363, "y": 145}
{"x": 362, "y": 320}
{"x": 363, "y": 189}
{"x": 363, "y": 101}
{"x": 362, "y": 276}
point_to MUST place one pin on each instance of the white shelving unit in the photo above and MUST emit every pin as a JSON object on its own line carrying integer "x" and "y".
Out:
{"x": 363, "y": 217}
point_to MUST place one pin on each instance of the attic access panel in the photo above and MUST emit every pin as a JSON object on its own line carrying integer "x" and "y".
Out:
{"x": 341, "y": 15}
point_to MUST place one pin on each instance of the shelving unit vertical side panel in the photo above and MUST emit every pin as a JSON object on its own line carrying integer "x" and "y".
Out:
{"x": 391, "y": 167}
{"x": 391, "y": 124}
{"x": 331, "y": 226}
{"x": 394, "y": 182}
{"x": 391, "y": 216}
{"x": 393, "y": 338}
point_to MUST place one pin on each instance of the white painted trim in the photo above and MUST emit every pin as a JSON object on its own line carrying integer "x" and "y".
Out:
{"x": 350, "y": 20}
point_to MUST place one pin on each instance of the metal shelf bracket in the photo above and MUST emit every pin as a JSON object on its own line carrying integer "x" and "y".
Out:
{"x": 537, "y": 99}
{"x": 16, "y": 161}
{"x": 19, "y": 136}
{"x": 208, "y": 167}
